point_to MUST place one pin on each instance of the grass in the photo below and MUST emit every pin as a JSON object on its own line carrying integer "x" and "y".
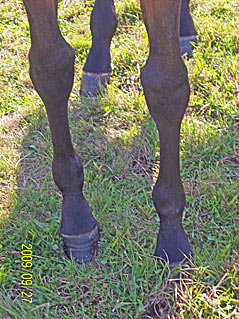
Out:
{"x": 117, "y": 140}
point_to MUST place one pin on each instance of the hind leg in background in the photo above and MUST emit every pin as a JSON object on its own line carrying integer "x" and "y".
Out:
{"x": 97, "y": 69}
{"x": 52, "y": 72}
{"x": 187, "y": 29}
{"x": 165, "y": 83}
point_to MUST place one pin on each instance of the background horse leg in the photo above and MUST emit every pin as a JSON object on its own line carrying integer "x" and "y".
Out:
{"x": 52, "y": 72}
{"x": 166, "y": 88}
{"x": 97, "y": 69}
{"x": 187, "y": 29}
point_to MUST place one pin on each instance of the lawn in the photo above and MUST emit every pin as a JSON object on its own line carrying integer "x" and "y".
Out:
{"x": 117, "y": 140}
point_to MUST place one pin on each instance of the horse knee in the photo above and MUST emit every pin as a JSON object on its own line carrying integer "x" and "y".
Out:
{"x": 52, "y": 72}
{"x": 166, "y": 92}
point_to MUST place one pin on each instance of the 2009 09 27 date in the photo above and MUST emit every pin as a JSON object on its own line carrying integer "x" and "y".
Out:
{"x": 26, "y": 277}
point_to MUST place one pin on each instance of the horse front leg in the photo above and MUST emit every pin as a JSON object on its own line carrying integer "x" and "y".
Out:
{"x": 97, "y": 69}
{"x": 166, "y": 88}
{"x": 52, "y": 72}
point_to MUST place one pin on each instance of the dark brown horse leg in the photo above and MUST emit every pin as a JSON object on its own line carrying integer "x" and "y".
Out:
{"x": 52, "y": 72}
{"x": 97, "y": 69}
{"x": 166, "y": 88}
{"x": 187, "y": 29}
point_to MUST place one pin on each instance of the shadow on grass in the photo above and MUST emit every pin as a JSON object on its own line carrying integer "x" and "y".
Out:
{"x": 123, "y": 281}
{"x": 118, "y": 188}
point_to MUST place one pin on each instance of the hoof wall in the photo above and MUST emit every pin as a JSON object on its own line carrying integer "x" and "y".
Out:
{"x": 184, "y": 263}
{"x": 187, "y": 45}
{"x": 92, "y": 84}
{"x": 186, "y": 260}
{"x": 81, "y": 248}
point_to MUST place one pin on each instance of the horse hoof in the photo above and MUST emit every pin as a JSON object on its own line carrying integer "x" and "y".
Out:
{"x": 173, "y": 247}
{"x": 186, "y": 262}
{"x": 92, "y": 84}
{"x": 187, "y": 44}
{"x": 82, "y": 248}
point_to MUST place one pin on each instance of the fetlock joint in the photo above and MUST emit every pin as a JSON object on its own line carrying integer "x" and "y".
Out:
{"x": 169, "y": 201}
{"x": 68, "y": 174}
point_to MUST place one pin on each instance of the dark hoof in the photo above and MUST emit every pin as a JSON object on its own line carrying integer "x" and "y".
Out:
{"x": 173, "y": 248}
{"x": 187, "y": 45}
{"x": 92, "y": 84}
{"x": 186, "y": 262}
{"x": 81, "y": 248}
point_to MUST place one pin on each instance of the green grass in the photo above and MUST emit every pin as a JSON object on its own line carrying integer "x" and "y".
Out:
{"x": 117, "y": 140}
